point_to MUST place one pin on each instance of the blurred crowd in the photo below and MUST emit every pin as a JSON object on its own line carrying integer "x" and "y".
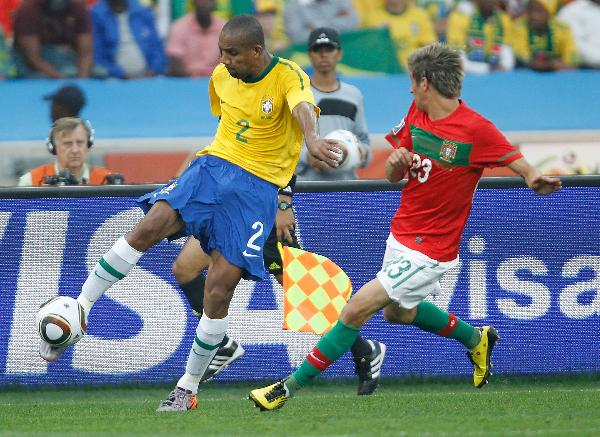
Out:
{"x": 142, "y": 38}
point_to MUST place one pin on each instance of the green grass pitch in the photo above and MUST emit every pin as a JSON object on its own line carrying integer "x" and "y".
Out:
{"x": 514, "y": 406}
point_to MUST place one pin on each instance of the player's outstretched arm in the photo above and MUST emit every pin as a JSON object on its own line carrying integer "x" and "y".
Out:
{"x": 539, "y": 183}
{"x": 397, "y": 164}
{"x": 323, "y": 150}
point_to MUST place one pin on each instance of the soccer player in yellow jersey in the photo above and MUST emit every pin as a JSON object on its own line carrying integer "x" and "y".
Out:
{"x": 227, "y": 198}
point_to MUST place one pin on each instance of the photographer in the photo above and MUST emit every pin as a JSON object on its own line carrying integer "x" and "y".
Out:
{"x": 70, "y": 139}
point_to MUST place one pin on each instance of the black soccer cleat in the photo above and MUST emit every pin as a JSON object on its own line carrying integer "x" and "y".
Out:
{"x": 224, "y": 357}
{"x": 368, "y": 368}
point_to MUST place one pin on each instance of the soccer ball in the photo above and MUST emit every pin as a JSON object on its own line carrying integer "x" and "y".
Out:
{"x": 351, "y": 158}
{"x": 61, "y": 321}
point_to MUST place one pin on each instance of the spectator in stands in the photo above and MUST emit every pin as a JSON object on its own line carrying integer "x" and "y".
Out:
{"x": 192, "y": 46}
{"x": 410, "y": 26}
{"x": 541, "y": 41}
{"x": 53, "y": 38}
{"x": 303, "y": 16}
{"x": 484, "y": 33}
{"x": 67, "y": 101}
{"x": 341, "y": 104}
{"x": 6, "y": 64}
{"x": 126, "y": 40}
{"x": 69, "y": 139}
{"x": 269, "y": 15}
{"x": 583, "y": 16}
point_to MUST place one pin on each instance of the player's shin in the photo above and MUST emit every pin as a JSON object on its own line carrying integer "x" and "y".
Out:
{"x": 209, "y": 335}
{"x": 331, "y": 346}
{"x": 433, "y": 319}
{"x": 114, "y": 265}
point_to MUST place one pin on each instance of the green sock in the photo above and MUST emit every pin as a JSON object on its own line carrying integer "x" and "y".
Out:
{"x": 430, "y": 318}
{"x": 331, "y": 346}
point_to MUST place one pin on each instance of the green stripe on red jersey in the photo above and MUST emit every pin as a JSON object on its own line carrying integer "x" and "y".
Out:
{"x": 440, "y": 149}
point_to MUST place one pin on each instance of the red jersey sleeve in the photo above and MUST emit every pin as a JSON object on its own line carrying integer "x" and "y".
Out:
{"x": 399, "y": 136}
{"x": 490, "y": 146}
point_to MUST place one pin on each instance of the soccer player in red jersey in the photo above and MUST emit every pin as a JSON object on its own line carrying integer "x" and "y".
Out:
{"x": 443, "y": 146}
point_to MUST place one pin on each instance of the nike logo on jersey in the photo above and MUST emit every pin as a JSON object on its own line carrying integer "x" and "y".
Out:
{"x": 249, "y": 255}
{"x": 104, "y": 279}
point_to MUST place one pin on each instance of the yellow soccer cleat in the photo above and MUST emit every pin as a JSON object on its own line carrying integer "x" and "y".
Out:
{"x": 271, "y": 397}
{"x": 481, "y": 356}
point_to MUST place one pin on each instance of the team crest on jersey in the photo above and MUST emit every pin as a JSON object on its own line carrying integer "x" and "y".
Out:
{"x": 448, "y": 151}
{"x": 398, "y": 127}
{"x": 267, "y": 105}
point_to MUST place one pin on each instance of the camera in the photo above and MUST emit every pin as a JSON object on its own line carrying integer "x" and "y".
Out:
{"x": 115, "y": 179}
{"x": 63, "y": 178}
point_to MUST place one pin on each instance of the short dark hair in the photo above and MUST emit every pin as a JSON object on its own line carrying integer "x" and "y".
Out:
{"x": 248, "y": 28}
{"x": 441, "y": 65}
{"x": 71, "y": 96}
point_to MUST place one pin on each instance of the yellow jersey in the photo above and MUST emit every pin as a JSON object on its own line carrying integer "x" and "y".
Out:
{"x": 409, "y": 30}
{"x": 556, "y": 43}
{"x": 257, "y": 130}
{"x": 473, "y": 33}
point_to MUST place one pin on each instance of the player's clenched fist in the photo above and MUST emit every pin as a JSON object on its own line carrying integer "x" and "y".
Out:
{"x": 397, "y": 164}
{"x": 401, "y": 157}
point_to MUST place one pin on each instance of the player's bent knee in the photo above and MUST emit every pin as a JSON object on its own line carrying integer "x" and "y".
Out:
{"x": 143, "y": 237}
{"x": 160, "y": 222}
{"x": 394, "y": 314}
{"x": 183, "y": 272}
{"x": 353, "y": 315}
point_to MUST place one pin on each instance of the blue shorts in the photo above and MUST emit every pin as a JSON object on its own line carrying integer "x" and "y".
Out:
{"x": 225, "y": 207}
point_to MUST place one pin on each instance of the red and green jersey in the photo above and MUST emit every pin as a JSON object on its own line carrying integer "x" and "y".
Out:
{"x": 449, "y": 157}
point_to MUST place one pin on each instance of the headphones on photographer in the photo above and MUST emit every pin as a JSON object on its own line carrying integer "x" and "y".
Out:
{"x": 85, "y": 123}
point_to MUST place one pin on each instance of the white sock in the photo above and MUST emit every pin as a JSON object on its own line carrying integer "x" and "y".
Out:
{"x": 114, "y": 265}
{"x": 209, "y": 335}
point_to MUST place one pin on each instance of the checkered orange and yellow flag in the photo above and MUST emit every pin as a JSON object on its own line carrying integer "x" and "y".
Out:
{"x": 315, "y": 290}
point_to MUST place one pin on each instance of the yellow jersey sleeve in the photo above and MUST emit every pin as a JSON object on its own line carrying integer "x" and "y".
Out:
{"x": 215, "y": 103}
{"x": 296, "y": 86}
{"x": 257, "y": 130}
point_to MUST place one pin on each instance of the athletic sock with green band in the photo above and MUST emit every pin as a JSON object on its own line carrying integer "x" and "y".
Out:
{"x": 209, "y": 336}
{"x": 114, "y": 265}
{"x": 331, "y": 346}
{"x": 433, "y": 319}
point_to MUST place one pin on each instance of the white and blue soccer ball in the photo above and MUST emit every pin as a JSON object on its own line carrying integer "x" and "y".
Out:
{"x": 61, "y": 321}
{"x": 350, "y": 159}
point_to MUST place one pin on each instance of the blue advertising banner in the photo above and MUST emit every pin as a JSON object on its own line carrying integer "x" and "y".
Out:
{"x": 529, "y": 265}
